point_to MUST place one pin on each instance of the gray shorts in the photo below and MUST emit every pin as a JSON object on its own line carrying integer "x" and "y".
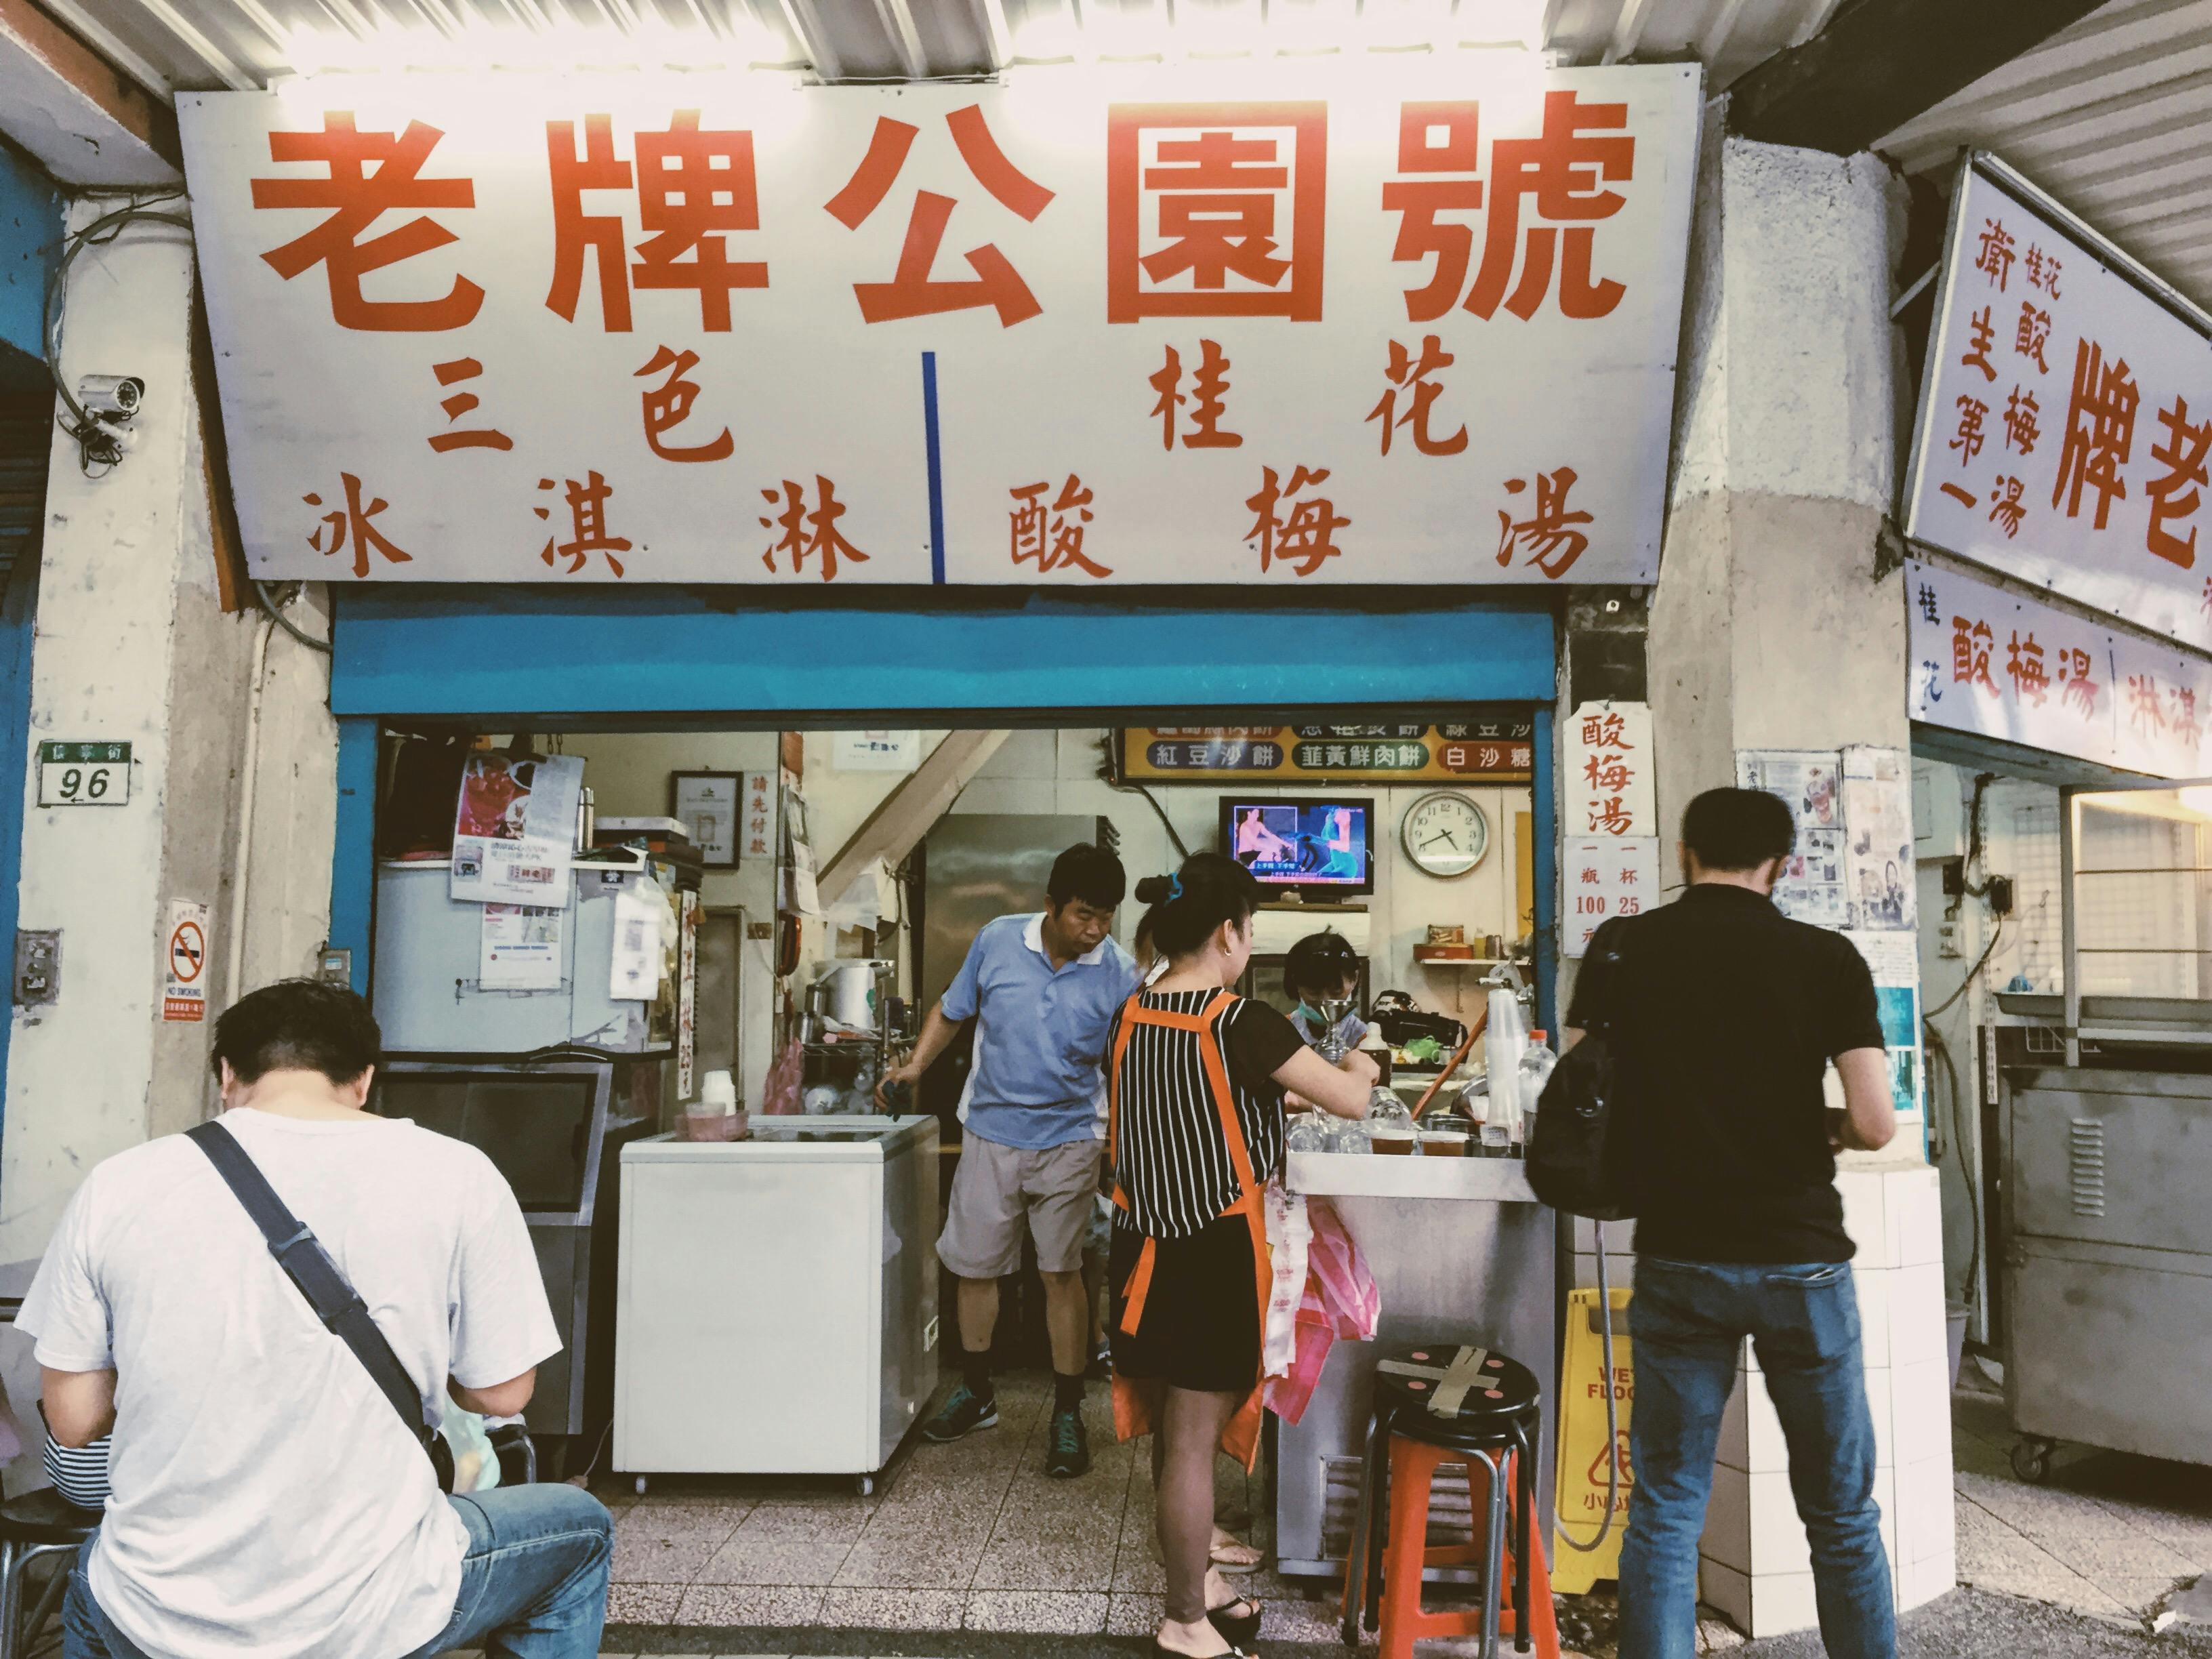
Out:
{"x": 999, "y": 1189}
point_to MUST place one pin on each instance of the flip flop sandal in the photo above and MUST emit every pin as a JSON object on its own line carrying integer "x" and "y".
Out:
{"x": 1241, "y": 1628}
{"x": 1231, "y": 1554}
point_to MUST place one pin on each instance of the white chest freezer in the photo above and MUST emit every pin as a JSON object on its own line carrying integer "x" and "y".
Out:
{"x": 777, "y": 1309}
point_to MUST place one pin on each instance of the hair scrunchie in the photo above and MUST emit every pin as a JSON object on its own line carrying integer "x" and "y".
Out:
{"x": 1174, "y": 887}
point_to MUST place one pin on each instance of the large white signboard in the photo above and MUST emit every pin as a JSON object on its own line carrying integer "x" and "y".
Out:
{"x": 2065, "y": 422}
{"x": 1985, "y": 661}
{"x": 1212, "y": 325}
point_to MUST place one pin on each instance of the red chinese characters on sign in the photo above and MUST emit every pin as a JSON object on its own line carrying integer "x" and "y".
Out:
{"x": 912, "y": 291}
{"x": 2006, "y": 510}
{"x": 668, "y": 405}
{"x": 1215, "y": 210}
{"x": 1996, "y": 256}
{"x": 1556, "y": 178}
{"x": 1609, "y": 773}
{"x": 461, "y": 404}
{"x": 1051, "y": 537}
{"x": 1409, "y": 374}
{"x": 351, "y": 527}
{"x": 1984, "y": 336}
{"x": 806, "y": 534}
{"x": 2100, "y": 432}
{"x": 2078, "y": 687}
{"x": 1971, "y": 642}
{"x": 1552, "y": 533}
{"x": 2174, "y": 493}
{"x": 369, "y": 174}
{"x": 1207, "y": 398}
{"x": 587, "y": 515}
{"x": 2024, "y": 667}
{"x": 695, "y": 188}
{"x": 1291, "y": 529}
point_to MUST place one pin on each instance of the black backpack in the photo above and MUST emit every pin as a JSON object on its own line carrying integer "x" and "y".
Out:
{"x": 1572, "y": 1161}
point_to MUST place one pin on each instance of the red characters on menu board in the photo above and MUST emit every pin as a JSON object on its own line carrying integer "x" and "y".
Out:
{"x": 1215, "y": 210}
{"x": 352, "y": 528}
{"x": 370, "y": 173}
{"x": 2100, "y": 432}
{"x": 588, "y": 515}
{"x": 1305, "y": 536}
{"x": 1051, "y": 536}
{"x": 807, "y": 534}
{"x": 668, "y": 405}
{"x": 912, "y": 292}
{"x": 1208, "y": 399}
{"x": 1409, "y": 374}
{"x": 1554, "y": 177}
{"x": 2173, "y": 495}
{"x": 460, "y": 403}
{"x": 695, "y": 188}
{"x": 1551, "y": 533}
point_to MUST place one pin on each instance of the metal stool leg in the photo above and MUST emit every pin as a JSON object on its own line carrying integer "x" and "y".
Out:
{"x": 11, "y": 1595}
{"x": 50, "y": 1598}
{"x": 1524, "y": 1572}
{"x": 1378, "y": 1531}
{"x": 1493, "y": 1565}
{"x": 1357, "y": 1547}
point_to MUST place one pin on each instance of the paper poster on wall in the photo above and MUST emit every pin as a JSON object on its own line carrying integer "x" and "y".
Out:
{"x": 801, "y": 893}
{"x": 1805, "y": 781}
{"x": 1893, "y": 959}
{"x": 686, "y": 996}
{"x": 634, "y": 971}
{"x": 514, "y": 829}
{"x": 183, "y": 992}
{"x": 1811, "y": 886}
{"x": 1877, "y": 789}
{"x": 520, "y": 948}
{"x": 1608, "y": 876}
{"x": 707, "y": 804}
{"x": 875, "y": 752}
{"x": 1607, "y": 774}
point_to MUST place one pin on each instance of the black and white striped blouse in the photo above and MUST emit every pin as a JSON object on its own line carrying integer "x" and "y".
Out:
{"x": 1169, "y": 1157}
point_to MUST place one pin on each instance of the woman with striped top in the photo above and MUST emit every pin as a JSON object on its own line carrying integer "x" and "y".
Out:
{"x": 1195, "y": 1133}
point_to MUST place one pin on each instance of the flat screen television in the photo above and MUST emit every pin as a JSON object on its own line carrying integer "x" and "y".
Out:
{"x": 1321, "y": 848}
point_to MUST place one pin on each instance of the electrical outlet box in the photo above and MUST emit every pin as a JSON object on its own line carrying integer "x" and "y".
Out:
{"x": 1954, "y": 877}
{"x": 38, "y": 966}
{"x": 334, "y": 967}
{"x": 1999, "y": 894}
{"x": 1947, "y": 939}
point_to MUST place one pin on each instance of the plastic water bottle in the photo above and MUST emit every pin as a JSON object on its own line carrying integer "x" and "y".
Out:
{"x": 1537, "y": 1061}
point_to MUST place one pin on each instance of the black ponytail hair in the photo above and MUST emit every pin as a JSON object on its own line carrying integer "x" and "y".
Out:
{"x": 1209, "y": 889}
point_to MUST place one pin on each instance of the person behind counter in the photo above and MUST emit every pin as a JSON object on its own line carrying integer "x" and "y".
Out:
{"x": 1195, "y": 1131}
{"x": 1043, "y": 989}
{"x": 1323, "y": 968}
{"x": 1724, "y": 1015}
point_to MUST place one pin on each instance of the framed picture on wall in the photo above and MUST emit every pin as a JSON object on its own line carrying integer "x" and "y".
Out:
{"x": 709, "y": 805}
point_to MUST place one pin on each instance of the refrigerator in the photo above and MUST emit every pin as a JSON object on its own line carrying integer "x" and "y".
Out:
{"x": 776, "y": 1302}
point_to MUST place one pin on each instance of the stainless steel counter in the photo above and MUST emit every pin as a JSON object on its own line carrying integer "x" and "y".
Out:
{"x": 1461, "y": 1252}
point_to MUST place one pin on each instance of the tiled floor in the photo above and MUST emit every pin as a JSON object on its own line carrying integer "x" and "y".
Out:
{"x": 2108, "y": 1534}
{"x": 970, "y": 1536}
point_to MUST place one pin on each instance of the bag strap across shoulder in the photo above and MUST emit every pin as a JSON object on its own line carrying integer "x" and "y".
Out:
{"x": 334, "y": 1300}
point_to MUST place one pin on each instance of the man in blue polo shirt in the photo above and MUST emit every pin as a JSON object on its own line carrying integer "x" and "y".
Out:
{"x": 1044, "y": 989}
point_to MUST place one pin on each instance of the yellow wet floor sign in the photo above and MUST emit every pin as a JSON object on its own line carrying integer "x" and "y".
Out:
{"x": 1585, "y": 1452}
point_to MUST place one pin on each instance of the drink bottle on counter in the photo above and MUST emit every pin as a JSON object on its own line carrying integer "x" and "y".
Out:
{"x": 1534, "y": 1071}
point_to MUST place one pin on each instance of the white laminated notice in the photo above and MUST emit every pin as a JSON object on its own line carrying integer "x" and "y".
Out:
{"x": 520, "y": 948}
{"x": 634, "y": 971}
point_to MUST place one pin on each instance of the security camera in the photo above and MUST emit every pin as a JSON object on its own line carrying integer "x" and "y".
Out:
{"x": 110, "y": 396}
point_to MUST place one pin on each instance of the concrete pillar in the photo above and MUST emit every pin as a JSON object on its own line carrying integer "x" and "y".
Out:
{"x": 133, "y": 646}
{"x": 1778, "y": 622}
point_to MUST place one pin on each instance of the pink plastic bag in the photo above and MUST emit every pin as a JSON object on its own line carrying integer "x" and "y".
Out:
{"x": 1341, "y": 1301}
{"x": 780, "y": 1093}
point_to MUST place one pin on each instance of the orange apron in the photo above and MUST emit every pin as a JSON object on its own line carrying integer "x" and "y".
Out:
{"x": 1133, "y": 1414}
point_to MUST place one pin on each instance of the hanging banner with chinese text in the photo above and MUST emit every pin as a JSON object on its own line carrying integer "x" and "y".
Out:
{"x": 1236, "y": 324}
{"x": 1985, "y": 661}
{"x": 2066, "y": 416}
{"x": 1489, "y": 748}
{"x": 1607, "y": 774}
{"x": 1606, "y": 877}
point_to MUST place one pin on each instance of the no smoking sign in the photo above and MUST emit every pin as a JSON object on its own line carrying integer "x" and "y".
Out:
{"x": 183, "y": 998}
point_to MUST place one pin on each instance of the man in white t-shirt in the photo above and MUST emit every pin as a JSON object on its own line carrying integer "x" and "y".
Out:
{"x": 266, "y": 1499}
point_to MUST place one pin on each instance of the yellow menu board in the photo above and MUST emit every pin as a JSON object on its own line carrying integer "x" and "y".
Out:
{"x": 1494, "y": 746}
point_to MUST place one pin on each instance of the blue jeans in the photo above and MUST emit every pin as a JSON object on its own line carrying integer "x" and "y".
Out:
{"x": 1688, "y": 1320}
{"x": 533, "y": 1582}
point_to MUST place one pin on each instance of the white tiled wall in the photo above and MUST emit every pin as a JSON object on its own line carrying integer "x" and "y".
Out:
{"x": 1756, "y": 1565}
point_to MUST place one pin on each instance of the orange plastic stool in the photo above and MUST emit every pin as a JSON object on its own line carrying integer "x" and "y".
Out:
{"x": 1413, "y": 1464}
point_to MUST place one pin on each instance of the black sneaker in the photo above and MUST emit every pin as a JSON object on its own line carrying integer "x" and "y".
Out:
{"x": 963, "y": 1414}
{"x": 1070, "y": 1453}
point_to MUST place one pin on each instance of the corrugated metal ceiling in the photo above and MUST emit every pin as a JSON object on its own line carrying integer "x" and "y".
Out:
{"x": 2113, "y": 117}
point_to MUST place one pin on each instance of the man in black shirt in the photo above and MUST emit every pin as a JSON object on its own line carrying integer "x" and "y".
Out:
{"x": 1724, "y": 1016}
